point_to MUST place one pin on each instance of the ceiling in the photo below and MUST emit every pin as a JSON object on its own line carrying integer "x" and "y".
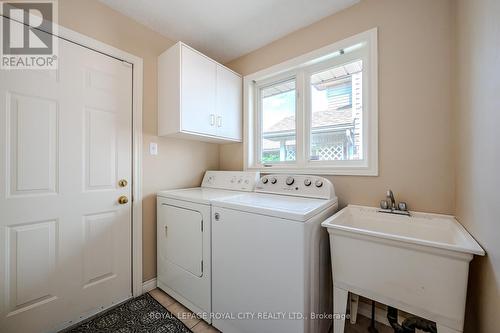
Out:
{"x": 227, "y": 29}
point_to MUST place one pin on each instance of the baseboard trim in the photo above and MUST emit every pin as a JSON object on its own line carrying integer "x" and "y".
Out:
{"x": 149, "y": 285}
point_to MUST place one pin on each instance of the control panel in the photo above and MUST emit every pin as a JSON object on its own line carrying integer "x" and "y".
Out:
{"x": 231, "y": 180}
{"x": 297, "y": 185}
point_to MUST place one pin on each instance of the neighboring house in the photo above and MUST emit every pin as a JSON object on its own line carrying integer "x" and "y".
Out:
{"x": 335, "y": 132}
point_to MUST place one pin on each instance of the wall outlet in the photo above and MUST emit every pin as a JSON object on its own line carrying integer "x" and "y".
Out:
{"x": 153, "y": 148}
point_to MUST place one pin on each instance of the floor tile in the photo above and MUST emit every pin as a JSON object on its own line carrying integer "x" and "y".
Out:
{"x": 203, "y": 327}
{"x": 162, "y": 297}
{"x": 187, "y": 317}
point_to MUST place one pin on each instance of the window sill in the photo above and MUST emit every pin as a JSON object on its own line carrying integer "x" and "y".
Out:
{"x": 332, "y": 171}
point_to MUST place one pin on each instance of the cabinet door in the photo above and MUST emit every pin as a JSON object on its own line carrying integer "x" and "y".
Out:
{"x": 198, "y": 76}
{"x": 229, "y": 104}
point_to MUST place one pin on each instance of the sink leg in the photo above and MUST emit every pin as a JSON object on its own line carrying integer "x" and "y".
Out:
{"x": 354, "y": 307}
{"x": 445, "y": 329}
{"x": 339, "y": 309}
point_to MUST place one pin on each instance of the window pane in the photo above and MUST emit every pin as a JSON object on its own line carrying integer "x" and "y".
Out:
{"x": 278, "y": 122}
{"x": 336, "y": 113}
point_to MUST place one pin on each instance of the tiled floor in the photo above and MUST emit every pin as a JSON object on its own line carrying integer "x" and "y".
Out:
{"x": 199, "y": 326}
{"x": 187, "y": 317}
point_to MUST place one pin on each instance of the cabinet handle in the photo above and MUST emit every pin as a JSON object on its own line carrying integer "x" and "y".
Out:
{"x": 219, "y": 121}
{"x": 212, "y": 119}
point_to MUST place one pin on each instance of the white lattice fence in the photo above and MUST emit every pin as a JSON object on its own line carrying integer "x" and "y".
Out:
{"x": 290, "y": 154}
{"x": 331, "y": 152}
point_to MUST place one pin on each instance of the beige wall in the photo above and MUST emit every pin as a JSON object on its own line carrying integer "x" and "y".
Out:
{"x": 179, "y": 163}
{"x": 414, "y": 97}
{"x": 477, "y": 139}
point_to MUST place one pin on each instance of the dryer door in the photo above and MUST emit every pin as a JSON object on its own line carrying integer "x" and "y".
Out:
{"x": 182, "y": 243}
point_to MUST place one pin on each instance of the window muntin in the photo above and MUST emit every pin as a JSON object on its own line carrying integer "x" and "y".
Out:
{"x": 278, "y": 113}
{"x": 336, "y": 113}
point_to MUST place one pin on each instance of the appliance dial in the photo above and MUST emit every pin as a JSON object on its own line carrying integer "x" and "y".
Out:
{"x": 289, "y": 180}
{"x": 307, "y": 182}
{"x": 273, "y": 180}
{"x": 318, "y": 183}
{"x": 264, "y": 180}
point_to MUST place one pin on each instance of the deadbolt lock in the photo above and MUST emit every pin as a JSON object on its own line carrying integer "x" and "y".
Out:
{"x": 122, "y": 183}
{"x": 122, "y": 200}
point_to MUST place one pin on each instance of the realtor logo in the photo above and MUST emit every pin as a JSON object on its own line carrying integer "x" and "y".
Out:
{"x": 28, "y": 40}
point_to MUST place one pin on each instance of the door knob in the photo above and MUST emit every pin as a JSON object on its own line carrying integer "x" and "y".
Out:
{"x": 122, "y": 200}
{"x": 122, "y": 182}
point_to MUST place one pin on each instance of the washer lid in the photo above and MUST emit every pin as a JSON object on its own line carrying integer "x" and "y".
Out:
{"x": 198, "y": 194}
{"x": 281, "y": 206}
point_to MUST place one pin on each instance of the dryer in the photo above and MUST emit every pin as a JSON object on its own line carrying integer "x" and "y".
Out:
{"x": 184, "y": 236}
{"x": 270, "y": 257}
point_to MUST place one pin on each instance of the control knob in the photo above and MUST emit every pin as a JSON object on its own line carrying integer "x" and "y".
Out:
{"x": 289, "y": 180}
{"x": 318, "y": 183}
{"x": 307, "y": 182}
{"x": 264, "y": 180}
{"x": 273, "y": 180}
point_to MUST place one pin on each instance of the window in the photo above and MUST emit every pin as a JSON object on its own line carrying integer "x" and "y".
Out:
{"x": 337, "y": 113}
{"x": 278, "y": 122}
{"x": 316, "y": 113}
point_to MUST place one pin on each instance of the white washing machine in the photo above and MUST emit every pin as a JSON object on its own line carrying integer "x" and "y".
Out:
{"x": 270, "y": 258}
{"x": 184, "y": 236}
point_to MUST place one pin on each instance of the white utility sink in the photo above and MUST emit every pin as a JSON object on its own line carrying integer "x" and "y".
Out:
{"x": 418, "y": 264}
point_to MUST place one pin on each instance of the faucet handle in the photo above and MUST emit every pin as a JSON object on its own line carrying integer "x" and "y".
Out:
{"x": 384, "y": 204}
{"x": 403, "y": 206}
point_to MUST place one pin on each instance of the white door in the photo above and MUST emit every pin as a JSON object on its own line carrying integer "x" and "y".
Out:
{"x": 229, "y": 109}
{"x": 198, "y": 92}
{"x": 65, "y": 142}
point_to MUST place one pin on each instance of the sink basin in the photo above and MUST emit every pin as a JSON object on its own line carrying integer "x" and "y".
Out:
{"x": 434, "y": 230}
{"x": 418, "y": 264}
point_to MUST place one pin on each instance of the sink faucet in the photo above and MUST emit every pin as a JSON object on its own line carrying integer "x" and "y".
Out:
{"x": 390, "y": 196}
{"x": 389, "y": 205}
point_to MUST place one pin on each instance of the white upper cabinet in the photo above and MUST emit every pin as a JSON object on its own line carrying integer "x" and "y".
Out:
{"x": 197, "y": 97}
{"x": 229, "y": 99}
{"x": 198, "y": 93}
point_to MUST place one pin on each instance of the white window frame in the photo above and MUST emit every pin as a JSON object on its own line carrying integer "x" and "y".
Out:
{"x": 301, "y": 68}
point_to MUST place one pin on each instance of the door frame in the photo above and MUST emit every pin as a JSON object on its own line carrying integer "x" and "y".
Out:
{"x": 137, "y": 93}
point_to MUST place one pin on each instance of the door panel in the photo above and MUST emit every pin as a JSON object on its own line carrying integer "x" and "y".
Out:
{"x": 198, "y": 84}
{"x": 32, "y": 128}
{"x": 65, "y": 141}
{"x": 100, "y": 149}
{"x": 183, "y": 242}
{"x": 32, "y": 249}
{"x": 98, "y": 261}
{"x": 179, "y": 269}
